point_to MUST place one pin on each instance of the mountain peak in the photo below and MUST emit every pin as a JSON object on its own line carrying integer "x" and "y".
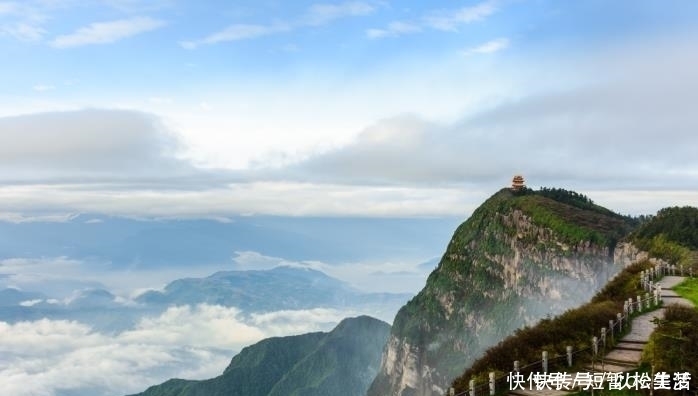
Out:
{"x": 522, "y": 255}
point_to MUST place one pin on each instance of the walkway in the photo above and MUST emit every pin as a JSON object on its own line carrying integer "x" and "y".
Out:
{"x": 627, "y": 353}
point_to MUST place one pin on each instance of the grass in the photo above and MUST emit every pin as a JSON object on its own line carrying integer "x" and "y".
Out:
{"x": 688, "y": 289}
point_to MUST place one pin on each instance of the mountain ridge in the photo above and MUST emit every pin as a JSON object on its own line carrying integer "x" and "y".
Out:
{"x": 279, "y": 288}
{"x": 519, "y": 257}
{"x": 342, "y": 361}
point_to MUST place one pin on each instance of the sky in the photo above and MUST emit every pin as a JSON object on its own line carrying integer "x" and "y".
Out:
{"x": 353, "y": 108}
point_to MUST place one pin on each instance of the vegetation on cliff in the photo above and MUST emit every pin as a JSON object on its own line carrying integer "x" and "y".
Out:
{"x": 573, "y": 216}
{"x": 670, "y": 235}
{"x": 341, "y": 362}
{"x": 677, "y": 224}
{"x": 554, "y": 334}
{"x": 519, "y": 257}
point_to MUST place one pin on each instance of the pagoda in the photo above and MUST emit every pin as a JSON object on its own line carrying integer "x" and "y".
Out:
{"x": 517, "y": 183}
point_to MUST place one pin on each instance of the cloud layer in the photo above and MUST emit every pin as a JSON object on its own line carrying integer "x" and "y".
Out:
{"x": 626, "y": 122}
{"x": 50, "y": 357}
{"x": 633, "y": 127}
{"x": 84, "y": 144}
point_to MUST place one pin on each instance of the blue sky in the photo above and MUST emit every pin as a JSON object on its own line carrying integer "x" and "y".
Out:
{"x": 266, "y": 99}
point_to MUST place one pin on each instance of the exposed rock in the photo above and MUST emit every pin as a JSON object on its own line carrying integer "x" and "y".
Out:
{"x": 501, "y": 270}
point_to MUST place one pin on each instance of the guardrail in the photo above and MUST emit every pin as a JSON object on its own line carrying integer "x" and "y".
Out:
{"x": 607, "y": 335}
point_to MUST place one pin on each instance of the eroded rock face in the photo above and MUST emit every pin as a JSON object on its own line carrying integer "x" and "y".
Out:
{"x": 626, "y": 253}
{"x": 500, "y": 272}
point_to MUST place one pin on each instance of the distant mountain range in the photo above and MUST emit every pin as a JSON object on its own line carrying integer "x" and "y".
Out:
{"x": 12, "y": 297}
{"x": 277, "y": 289}
{"x": 341, "y": 362}
{"x": 280, "y": 288}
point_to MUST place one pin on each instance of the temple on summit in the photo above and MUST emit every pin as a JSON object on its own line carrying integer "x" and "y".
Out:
{"x": 517, "y": 183}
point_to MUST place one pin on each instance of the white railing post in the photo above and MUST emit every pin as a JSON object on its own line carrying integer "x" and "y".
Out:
{"x": 569, "y": 355}
{"x": 491, "y": 383}
{"x": 619, "y": 316}
{"x": 595, "y": 343}
{"x": 545, "y": 361}
{"x": 472, "y": 387}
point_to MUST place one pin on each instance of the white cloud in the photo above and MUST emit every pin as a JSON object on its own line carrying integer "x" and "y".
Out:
{"x": 107, "y": 32}
{"x": 50, "y": 145}
{"x": 30, "y": 303}
{"x": 250, "y": 260}
{"x": 393, "y": 29}
{"x": 51, "y": 357}
{"x": 24, "y": 31}
{"x": 139, "y": 6}
{"x": 451, "y": 19}
{"x": 278, "y": 198}
{"x": 18, "y": 218}
{"x": 295, "y": 321}
{"x": 489, "y": 47}
{"x": 58, "y": 276}
{"x": 23, "y": 21}
{"x": 208, "y": 326}
{"x": 447, "y": 20}
{"x": 316, "y": 15}
{"x": 236, "y": 33}
{"x": 321, "y": 14}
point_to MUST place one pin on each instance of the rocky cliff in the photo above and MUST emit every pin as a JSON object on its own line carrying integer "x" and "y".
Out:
{"x": 518, "y": 258}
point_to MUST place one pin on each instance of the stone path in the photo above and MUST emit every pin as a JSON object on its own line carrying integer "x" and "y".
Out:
{"x": 628, "y": 352}
{"x": 670, "y": 296}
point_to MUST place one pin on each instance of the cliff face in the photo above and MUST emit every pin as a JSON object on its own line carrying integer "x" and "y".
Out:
{"x": 516, "y": 260}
